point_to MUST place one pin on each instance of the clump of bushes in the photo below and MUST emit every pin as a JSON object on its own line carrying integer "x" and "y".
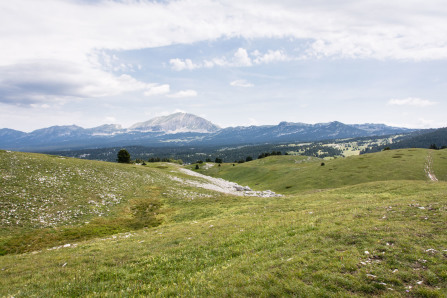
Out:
{"x": 266, "y": 154}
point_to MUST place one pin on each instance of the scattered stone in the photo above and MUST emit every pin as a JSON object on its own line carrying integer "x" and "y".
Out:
{"x": 431, "y": 251}
{"x": 366, "y": 252}
{"x": 370, "y": 275}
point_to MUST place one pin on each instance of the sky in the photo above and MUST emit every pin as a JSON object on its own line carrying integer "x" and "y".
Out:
{"x": 235, "y": 63}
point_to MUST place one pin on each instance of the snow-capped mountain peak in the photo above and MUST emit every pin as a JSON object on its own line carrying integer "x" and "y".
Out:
{"x": 176, "y": 123}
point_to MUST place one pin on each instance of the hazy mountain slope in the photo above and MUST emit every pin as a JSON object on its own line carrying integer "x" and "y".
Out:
{"x": 381, "y": 129}
{"x": 423, "y": 139}
{"x": 288, "y": 132}
{"x": 437, "y": 137}
{"x": 11, "y": 133}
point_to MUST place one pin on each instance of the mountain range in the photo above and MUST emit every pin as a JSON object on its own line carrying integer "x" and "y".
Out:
{"x": 183, "y": 129}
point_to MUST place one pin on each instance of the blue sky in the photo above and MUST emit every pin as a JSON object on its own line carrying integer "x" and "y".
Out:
{"x": 232, "y": 62}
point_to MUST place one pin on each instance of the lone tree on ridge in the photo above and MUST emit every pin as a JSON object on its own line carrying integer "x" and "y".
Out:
{"x": 123, "y": 156}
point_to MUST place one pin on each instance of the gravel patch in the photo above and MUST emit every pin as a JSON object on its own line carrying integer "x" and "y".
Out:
{"x": 224, "y": 186}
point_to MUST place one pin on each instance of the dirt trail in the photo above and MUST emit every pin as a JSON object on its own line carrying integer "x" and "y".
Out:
{"x": 429, "y": 168}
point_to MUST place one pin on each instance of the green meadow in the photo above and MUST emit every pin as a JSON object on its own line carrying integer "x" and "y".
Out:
{"x": 294, "y": 174}
{"x": 361, "y": 226}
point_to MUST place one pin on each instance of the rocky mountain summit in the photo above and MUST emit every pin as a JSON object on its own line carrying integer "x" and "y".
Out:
{"x": 176, "y": 123}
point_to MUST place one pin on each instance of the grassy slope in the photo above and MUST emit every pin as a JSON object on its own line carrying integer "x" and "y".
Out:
{"x": 313, "y": 244}
{"x": 440, "y": 164}
{"x": 294, "y": 174}
{"x": 48, "y": 200}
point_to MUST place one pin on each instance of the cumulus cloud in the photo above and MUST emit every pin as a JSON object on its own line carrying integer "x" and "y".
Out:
{"x": 179, "y": 64}
{"x": 241, "y": 83}
{"x": 411, "y": 101}
{"x": 270, "y": 56}
{"x": 240, "y": 58}
{"x": 184, "y": 93}
{"x": 156, "y": 89}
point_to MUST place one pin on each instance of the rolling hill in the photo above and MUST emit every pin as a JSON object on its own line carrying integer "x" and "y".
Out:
{"x": 294, "y": 174}
{"x": 371, "y": 225}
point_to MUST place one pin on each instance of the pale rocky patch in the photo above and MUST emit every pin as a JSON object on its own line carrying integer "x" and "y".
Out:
{"x": 221, "y": 185}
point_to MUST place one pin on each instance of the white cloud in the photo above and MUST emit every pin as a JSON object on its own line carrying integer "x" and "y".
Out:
{"x": 419, "y": 123}
{"x": 270, "y": 56}
{"x": 40, "y": 106}
{"x": 156, "y": 89}
{"x": 252, "y": 121}
{"x": 372, "y": 29}
{"x": 59, "y": 81}
{"x": 110, "y": 119}
{"x": 50, "y": 48}
{"x": 241, "y": 83}
{"x": 184, "y": 93}
{"x": 411, "y": 101}
{"x": 241, "y": 58}
{"x": 179, "y": 64}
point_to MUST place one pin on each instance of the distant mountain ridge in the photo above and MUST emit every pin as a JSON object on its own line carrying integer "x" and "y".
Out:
{"x": 182, "y": 129}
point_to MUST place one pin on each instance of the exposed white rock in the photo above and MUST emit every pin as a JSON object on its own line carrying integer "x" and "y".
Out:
{"x": 221, "y": 185}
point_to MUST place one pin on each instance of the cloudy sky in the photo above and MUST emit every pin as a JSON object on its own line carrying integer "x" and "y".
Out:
{"x": 90, "y": 62}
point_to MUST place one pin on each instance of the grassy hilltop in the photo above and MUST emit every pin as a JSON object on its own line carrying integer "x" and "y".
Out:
{"x": 371, "y": 225}
{"x": 294, "y": 174}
